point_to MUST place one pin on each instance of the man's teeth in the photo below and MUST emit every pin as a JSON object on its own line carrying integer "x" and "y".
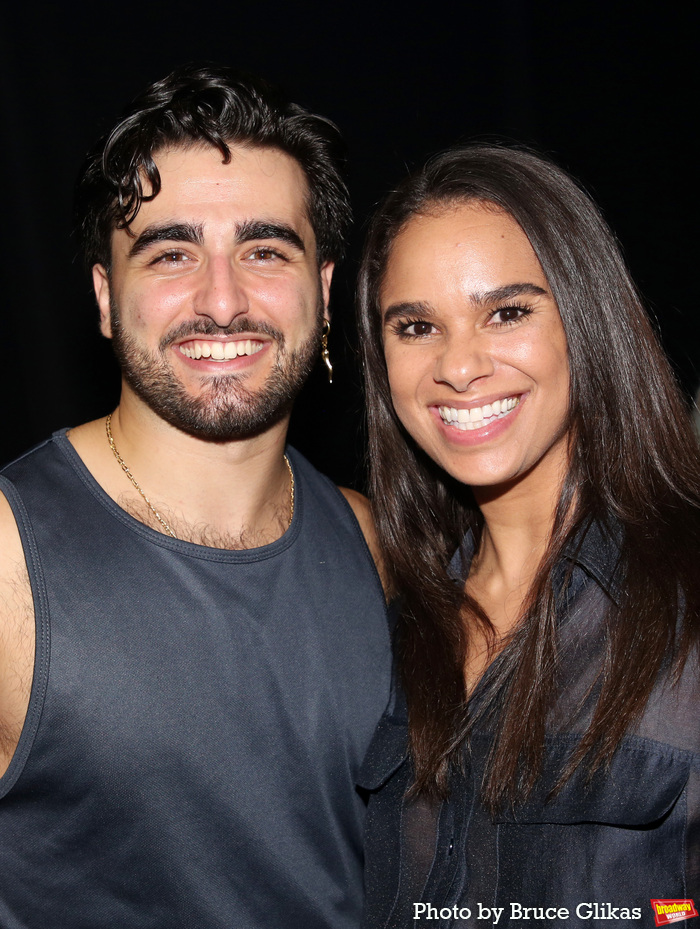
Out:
{"x": 220, "y": 351}
{"x": 478, "y": 416}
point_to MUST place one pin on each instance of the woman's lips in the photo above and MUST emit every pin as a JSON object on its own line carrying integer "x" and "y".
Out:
{"x": 477, "y": 417}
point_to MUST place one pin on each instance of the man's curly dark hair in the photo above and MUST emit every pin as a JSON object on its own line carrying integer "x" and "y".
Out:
{"x": 215, "y": 106}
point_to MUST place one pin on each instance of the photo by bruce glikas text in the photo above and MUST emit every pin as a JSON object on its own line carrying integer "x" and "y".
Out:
{"x": 517, "y": 913}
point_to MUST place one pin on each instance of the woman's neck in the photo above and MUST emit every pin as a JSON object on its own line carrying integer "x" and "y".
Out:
{"x": 518, "y": 521}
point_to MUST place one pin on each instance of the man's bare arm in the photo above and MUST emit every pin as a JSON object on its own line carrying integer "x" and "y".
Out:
{"x": 16, "y": 636}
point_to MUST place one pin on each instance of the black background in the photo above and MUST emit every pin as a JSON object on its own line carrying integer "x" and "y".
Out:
{"x": 604, "y": 88}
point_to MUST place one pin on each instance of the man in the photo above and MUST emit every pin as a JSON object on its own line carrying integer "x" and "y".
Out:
{"x": 193, "y": 644}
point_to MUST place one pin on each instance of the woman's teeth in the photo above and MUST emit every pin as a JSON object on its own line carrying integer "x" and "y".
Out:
{"x": 478, "y": 416}
{"x": 220, "y": 351}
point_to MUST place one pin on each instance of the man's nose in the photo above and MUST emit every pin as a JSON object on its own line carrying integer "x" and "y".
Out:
{"x": 221, "y": 296}
{"x": 464, "y": 358}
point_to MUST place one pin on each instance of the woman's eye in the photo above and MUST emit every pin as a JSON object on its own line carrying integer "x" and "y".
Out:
{"x": 507, "y": 315}
{"x": 417, "y": 328}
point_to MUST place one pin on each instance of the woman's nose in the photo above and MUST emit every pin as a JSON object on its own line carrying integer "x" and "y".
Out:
{"x": 463, "y": 358}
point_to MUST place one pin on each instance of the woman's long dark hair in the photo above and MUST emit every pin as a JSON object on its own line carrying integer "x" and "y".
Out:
{"x": 633, "y": 468}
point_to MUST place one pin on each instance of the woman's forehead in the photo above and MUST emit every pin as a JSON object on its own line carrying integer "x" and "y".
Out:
{"x": 472, "y": 245}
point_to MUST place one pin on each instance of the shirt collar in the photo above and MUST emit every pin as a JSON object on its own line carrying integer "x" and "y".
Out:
{"x": 596, "y": 549}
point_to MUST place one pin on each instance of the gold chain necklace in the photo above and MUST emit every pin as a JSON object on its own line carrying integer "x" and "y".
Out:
{"x": 125, "y": 468}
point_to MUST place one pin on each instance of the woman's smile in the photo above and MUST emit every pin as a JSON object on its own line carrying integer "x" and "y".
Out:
{"x": 476, "y": 417}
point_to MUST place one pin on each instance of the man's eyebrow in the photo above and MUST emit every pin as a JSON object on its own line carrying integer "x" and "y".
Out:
{"x": 507, "y": 292}
{"x": 167, "y": 232}
{"x": 409, "y": 308}
{"x": 259, "y": 229}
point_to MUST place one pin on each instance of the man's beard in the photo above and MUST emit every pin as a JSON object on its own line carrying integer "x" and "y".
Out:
{"x": 224, "y": 408}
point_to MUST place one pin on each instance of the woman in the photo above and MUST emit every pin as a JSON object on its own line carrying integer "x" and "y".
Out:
{"x": 537, "y": 493}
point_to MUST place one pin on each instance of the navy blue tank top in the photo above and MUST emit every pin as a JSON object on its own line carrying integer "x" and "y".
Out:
{"x": 197, "y": 717}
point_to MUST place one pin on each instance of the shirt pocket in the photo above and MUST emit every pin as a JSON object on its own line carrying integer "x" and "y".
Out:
{"x": 386, "y": 753}
{"x": 383, "y": 779}
{"x": 406, "y": 838}
{"x": 618, "y": 840}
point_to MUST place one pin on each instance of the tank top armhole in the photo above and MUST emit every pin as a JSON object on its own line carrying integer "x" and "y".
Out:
{"x": 356, "y": 529}
{"x": 42, "y": 638}
{"x": 306, "y": 473}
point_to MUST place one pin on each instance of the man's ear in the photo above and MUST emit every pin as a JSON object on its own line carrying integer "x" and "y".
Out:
{"x": 326, "y": 273}
{"x": 100, "y": 281}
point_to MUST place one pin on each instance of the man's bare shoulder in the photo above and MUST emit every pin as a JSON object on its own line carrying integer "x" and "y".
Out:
{"x": 16, "y": 635}
{"x": 363, "y": 513}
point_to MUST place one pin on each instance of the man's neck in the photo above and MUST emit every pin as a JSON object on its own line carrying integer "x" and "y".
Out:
{"x": 236, "y": 494}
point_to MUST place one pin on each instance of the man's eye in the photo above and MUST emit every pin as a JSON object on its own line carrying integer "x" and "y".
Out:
{"x": 265, "y": 253}
{"x": 172, "y": 258}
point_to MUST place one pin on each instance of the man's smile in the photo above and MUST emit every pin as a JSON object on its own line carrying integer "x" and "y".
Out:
{"x": 220, "y": 351}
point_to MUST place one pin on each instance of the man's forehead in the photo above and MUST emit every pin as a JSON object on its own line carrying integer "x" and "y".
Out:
{"x": 258, "y": 185}
{"x": 200, "y": 171}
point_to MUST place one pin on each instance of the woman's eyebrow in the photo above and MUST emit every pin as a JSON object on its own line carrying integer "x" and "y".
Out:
{"x": 417, "y": 308}
{"x": 508, "y": 291}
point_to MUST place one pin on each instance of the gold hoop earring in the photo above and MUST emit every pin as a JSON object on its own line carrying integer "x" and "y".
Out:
{"x": 325, "y": 357}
